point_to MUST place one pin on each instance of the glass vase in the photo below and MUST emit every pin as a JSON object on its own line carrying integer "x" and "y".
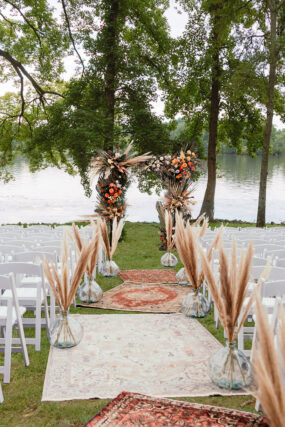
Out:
{"x": 110, "y": 269}
{"x": 66, "y": 331}
{"x": 182, "y": 278}
{"x": 168, "y": 260}
{"x": 229, "y": 368}
{"x": 195, "y": 305}
{"x": 89, "y": 291}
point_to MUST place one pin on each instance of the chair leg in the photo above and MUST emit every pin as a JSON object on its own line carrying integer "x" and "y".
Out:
{"x": 23, "y": 343}
{"x": 1, "y": 395}
{"x": 38, "y": 326}
{"x": 8, "y": 351}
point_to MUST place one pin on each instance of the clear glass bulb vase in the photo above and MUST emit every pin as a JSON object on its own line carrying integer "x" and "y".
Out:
{"x": 229, "y": 368}
{"x": 89, "y": 291}
{"x": 66, "y": 331}
{"x": 195, "y": 305}
{"x": 182, "y": 278}
{"x": 110, "y": 269}
{"x": 169, "y": 260}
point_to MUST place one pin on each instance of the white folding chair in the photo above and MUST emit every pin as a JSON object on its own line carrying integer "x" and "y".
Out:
{"x": 37, "y": 257}
{"x": 11, "y": 315}
{"x": 31, "y": 296}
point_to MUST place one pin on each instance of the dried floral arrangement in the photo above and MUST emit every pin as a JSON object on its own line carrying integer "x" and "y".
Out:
{"x": 187, "y": 244}
{"x": 269, "y": 366}
{"x": 113, "y": 170}
{"x": 94, "y": 250}
{"x": 62, "y": 287}
{"x": 230, "y": 295}
{"x": 110, "y": 242}
{"x": 176, "y": 174}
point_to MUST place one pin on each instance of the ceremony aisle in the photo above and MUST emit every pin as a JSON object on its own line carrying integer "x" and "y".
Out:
{"x": 23, "y": 406}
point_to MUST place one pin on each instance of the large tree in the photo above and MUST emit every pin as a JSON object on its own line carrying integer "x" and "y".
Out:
{"x": 121, "y": 48}
{"x": 272, "y": 24}
{"x": 214, "y": 86}
{"x": 32, "y": 46}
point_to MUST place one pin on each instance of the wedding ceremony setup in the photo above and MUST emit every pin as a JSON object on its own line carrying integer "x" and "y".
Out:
{"x": 142, "y": 213}
{"x": 146, "y": 340}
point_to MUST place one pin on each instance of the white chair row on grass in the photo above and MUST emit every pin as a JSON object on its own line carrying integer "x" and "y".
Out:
{"x": 27, "y": 290}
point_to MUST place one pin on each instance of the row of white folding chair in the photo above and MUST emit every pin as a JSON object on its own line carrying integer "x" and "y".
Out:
{"x": 31, "y": 294}
{"x": 10, "y": 316}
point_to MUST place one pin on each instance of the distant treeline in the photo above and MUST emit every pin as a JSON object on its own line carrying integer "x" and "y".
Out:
{"x": 277, "y": 146}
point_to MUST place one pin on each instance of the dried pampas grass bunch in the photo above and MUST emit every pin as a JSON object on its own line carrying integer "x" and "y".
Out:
{"x": 187, "y": 244}
{"x": 94, "y": 252}
{"x": 117, "y": 227}
{"x": 202, "y": 230}
{"x": 230, "y": 295}
{"x": 64, "y": 291}
{"x": 168, "y": 219}
{"x": 269, "y": 364}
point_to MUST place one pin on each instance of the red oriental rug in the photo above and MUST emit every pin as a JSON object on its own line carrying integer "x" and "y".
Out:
{"x": 132, "y": 409}
{"x": 148, "y": 276}
{"x": 143, "y": 297}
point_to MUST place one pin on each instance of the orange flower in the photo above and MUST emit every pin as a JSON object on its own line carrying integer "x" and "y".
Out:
{"x": 109, "y": 201}
{"x": 178, "y": 176}
{"x": 107, "y": 195}
{"x": 184, "y": 173}
{"x": 192, "y": 168}
{"x": 111, "y": 191}
{"x": 193, "y": 154}
{"x": 189, "y": 164}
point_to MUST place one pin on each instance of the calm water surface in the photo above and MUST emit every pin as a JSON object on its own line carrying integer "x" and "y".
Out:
{"x": 52, "y": 195}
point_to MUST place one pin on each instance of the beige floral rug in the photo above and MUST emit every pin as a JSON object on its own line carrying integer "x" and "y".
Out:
{"x": 143, "y": 297}
{"x": 160, "y": 355}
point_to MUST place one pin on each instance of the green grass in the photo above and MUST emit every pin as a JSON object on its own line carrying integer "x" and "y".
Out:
{"x": 23, "y": 406}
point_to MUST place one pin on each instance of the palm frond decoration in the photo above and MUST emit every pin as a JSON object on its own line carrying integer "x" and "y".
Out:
{"x": 107, "y": 163}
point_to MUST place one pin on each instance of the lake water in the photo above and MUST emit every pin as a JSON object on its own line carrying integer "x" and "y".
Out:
{"x": 52, "y": 195}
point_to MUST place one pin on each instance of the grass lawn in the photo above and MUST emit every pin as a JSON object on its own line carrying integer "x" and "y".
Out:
{"x": 23, "y": 406}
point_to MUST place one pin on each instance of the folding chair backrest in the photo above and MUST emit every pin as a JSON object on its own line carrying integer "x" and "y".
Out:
{"x": 273, "y": 288}
{"x": 279, "y": 253}
{"x": 276, "y": 273}
{"x": 280, "y": 262}
{"x": 35, "y": 257}
{"x": 21, "y": 268}
{"x": 8, "y": 282}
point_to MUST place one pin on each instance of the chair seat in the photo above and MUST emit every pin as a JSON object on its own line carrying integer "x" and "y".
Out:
{"x": 3, "y": 313}
{"x": 24, "y": 294}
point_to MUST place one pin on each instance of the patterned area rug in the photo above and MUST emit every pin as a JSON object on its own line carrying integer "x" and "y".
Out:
{"x": 131, "y": 409}
{"x": 148, "y": 276}
{"x": 161, "y": 355}
{"x": 143, "y": 297}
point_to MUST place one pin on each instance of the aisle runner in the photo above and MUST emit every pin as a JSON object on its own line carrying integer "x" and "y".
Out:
{"x": 144, "y": 297}
{"x": 148, "y": 276}
{"x": 131, "y": 409}
{"x": 160, "y": 355}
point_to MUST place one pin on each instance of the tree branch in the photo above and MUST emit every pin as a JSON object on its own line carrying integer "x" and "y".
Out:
{"x": 28, "y": 22}
{"x": 70, "y": 34}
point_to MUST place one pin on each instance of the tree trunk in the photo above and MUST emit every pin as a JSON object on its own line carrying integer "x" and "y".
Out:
{"x": 110, "y": 74}
{"x": 269, "y": 117}
{"x": 209, "y": 197}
